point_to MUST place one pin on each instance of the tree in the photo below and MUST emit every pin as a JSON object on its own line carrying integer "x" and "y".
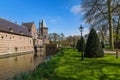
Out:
{"x": 77, "y": 46}
{"x": 50, "y": 36}
{"x": 110, "y": 24}
{"x": 102, "y": 12}
{"x": 81, "y": 45}
{"x": 102, "y": 33}
{"x": 93, "y": 47}
{"x": 62, "y": 37}
{"x": 54, "y": 37}
{"x": 71, "y": 40}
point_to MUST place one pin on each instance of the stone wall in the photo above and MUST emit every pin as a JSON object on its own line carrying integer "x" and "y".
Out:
{"x": 11, "y": 43}
{"x": 45, "y": 35}
{"x": 38, "y": 42}
{"x": 51, "y": 49}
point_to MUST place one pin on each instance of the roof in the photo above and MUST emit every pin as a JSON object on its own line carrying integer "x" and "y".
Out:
{"x": 28, "y": 25}
{"x": 13, "y": 28}
{"x": 43, "y": 24}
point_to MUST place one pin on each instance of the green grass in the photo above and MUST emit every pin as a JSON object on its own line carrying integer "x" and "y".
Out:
{"x": 107, "y": 46}
{"x": 68, "y": 66}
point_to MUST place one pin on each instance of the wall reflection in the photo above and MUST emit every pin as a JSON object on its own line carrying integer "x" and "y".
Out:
{"x": 23, "y": 63}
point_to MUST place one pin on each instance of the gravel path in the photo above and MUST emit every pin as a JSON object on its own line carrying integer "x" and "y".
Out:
{"x": 109, "y": 52}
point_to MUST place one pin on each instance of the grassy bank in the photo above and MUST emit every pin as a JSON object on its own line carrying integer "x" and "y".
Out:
{"x": 68, "y": 66}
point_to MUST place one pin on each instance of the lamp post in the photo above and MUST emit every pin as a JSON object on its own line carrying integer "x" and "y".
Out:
{"x": 81, "y": 30}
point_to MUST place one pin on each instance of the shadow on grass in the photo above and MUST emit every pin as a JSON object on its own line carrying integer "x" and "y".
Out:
{"x": 67, "y": 66}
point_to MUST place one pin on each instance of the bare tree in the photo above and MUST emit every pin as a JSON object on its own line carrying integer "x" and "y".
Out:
{"x": 99, "y": 13}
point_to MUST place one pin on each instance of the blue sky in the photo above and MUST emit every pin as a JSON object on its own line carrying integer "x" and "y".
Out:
{"x": 61, "y": 16}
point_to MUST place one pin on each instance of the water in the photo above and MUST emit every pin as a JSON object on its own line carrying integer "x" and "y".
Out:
{"x": 12, "y": 66}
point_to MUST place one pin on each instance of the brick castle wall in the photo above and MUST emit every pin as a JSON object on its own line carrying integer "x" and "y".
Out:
{"x": 11, "y": 43}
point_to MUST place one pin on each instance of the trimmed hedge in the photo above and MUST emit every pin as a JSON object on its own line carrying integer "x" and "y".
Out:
{"x": 81, "y": 47}
{"x": 93, "y": 47}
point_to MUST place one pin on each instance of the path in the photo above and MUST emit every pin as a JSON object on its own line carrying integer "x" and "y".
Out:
{"x": 106, "y": 51}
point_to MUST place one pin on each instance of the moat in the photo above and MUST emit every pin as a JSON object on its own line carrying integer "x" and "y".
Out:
{"x": 14, "y": 65}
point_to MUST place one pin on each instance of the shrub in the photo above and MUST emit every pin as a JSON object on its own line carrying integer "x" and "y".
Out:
{"x": 77, "y": 46}
{"x": 93, "y": 47}
{"x": 102, "y": 43}
{"x": 81, "y": 46}
{"x": 117, "y": 45}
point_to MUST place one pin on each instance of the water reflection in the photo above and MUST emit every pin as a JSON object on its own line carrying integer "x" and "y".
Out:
{"x": 23, "y": 63}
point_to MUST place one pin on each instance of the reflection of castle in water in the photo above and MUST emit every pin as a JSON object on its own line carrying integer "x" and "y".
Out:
{"x": 17, "y": 44}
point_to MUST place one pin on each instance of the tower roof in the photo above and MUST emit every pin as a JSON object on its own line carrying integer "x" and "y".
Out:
{"x": 43, "y": 24}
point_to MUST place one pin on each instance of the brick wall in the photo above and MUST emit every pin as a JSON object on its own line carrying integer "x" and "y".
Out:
{"x": 11, "y": 43}
{"x": 34, "y": 31}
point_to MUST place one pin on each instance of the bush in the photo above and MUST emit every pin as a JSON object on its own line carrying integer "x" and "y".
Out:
{"x": 77, "y": 46}
{"x": 93, "y": 47}
{"x": 81, "y": 45}
{"x": 117, "y": 45}
{"x": 102, "y": 43}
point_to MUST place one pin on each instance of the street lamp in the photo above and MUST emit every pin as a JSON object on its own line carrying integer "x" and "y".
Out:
{"x": 82, "y": 53}
{"x": 81, "y": 29}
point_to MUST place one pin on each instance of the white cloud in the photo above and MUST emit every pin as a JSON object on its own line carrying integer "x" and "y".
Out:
{"x": 76, "y": 9}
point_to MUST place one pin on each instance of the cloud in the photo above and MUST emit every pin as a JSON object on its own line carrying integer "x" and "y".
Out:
{"x": 76, "y": 9}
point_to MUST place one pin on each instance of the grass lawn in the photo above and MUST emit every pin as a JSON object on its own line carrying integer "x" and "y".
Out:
{"x": 68, "y": 66}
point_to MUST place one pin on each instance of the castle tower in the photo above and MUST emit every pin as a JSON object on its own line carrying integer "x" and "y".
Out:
{"x": 43, "y": 32}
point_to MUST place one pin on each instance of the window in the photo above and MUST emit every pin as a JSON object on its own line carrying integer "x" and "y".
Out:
{"x": 29, "y": 30}
{"x": 2, "y": 37}
{"x": 11, "y": 30}
{"x": 21, "y": 32}
{"x": 45, "y": 37}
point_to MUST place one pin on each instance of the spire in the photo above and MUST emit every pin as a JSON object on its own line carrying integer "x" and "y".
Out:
{"x": 39, "y": 24}
{"x": 43, "y": 24}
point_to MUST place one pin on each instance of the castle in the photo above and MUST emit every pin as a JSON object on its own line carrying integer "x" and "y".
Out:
{"x": 16, "y": 38}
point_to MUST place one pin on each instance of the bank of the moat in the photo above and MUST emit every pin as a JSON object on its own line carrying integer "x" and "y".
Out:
{"x": 69, "y": 66}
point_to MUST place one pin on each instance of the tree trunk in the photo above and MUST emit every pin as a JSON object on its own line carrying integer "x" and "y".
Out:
{"x": 110, "y": 25}
{"x": 102, "y": 35}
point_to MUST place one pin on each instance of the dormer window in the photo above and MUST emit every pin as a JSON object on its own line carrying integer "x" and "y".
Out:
{"x": 11, "y": 30}
{"x": 29, "y": 30}
{"x": 21, "y": 32}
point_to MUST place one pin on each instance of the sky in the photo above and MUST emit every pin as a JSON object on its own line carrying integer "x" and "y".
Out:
{"x": 61, "y": 16}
